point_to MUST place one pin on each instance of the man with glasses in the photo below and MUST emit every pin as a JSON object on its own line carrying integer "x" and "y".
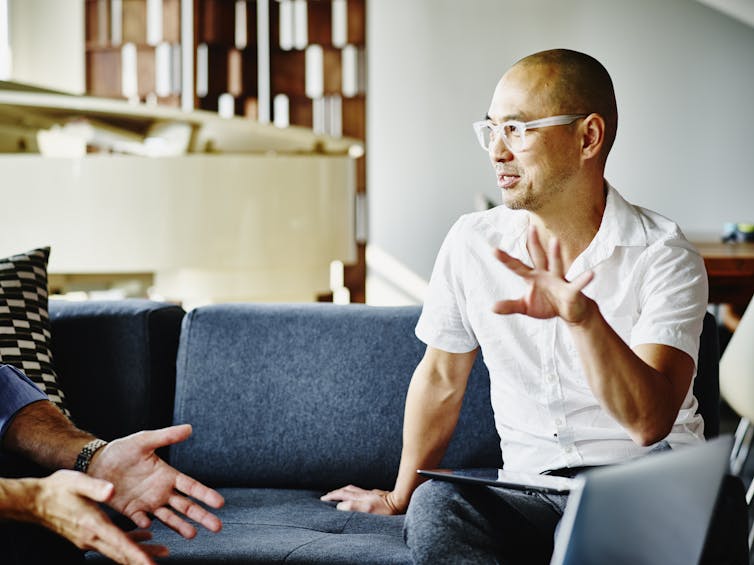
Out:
{"x": 587, "y": 309}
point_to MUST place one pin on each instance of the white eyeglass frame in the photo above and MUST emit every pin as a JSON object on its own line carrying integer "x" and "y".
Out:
{"x": 486, "y": 143}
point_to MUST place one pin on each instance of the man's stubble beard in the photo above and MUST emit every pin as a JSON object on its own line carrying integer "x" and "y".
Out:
{"x": 532, "y": 200}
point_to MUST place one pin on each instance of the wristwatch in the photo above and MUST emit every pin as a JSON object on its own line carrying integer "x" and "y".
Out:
{"x": 86, "y": 454}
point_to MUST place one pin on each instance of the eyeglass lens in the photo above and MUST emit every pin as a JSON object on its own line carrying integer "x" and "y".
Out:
{"x": 512, "y": 136}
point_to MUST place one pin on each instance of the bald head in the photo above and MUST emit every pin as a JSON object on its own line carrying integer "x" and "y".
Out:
{"x": 577, "y": 84}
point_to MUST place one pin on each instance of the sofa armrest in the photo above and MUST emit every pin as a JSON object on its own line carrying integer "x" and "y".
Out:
{"x": 116, "y": 362}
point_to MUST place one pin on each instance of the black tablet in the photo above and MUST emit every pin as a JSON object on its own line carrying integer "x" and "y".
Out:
{"x": 502, "y": 478}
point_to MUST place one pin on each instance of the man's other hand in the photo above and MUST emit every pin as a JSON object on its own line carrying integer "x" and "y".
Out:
{"x": 65, "y": 502}
{"x": 354, "y": 499}
{"x": 145, "y": 484}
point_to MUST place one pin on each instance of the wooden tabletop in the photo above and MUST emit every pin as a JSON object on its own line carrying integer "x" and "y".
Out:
{"x": 730, "y": 269}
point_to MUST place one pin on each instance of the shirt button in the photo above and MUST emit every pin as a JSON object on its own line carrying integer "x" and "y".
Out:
{"x": 550, "y": 378}
{"x": 569, "y": 449}
{"x": 559, "y": 422}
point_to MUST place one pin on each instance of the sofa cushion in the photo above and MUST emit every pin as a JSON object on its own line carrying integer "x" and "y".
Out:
{"x": 24, "y": 321}
{"x": 287, "y": 526}
{"x": 121, "y": 353}
{"x": 308, "y": 396}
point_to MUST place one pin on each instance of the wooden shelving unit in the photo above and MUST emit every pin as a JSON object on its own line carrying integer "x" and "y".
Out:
{"x": 315, "y": 54}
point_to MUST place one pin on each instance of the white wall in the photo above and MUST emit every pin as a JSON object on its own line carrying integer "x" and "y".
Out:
{"x": 684, "y": 77}
{"x": 47, "y": 43}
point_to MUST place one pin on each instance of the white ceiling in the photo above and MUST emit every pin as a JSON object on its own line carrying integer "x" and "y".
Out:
{"x": 742, "y": 10}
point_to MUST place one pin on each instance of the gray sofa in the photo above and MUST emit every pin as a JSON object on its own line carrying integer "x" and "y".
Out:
{"x": 287, "y": 402}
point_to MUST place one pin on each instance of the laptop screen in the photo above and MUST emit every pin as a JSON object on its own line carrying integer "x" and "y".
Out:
{"x": 654, "y": 510}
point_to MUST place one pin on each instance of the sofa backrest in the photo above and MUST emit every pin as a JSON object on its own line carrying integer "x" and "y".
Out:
{"x": 116, "y": 362}
{"x": 308, "y": 395}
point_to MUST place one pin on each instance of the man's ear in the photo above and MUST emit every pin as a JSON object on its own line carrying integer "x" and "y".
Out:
{"x": 593, "y": 130}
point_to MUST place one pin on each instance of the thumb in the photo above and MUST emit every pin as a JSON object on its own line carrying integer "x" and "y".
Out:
{"x": 154, "y": 439}
{"x": 96, "y": 489}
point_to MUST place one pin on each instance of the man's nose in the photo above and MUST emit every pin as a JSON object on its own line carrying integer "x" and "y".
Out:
{"x": 499, "y": 151}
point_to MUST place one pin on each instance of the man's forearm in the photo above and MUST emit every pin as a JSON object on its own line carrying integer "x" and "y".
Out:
{"x": 41, "y": 433}
{"x": 644, "y": 398}
{"x": 433, "y": 404}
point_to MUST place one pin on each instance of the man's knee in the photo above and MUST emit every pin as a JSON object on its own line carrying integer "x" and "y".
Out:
{"x": 427, "y": 503}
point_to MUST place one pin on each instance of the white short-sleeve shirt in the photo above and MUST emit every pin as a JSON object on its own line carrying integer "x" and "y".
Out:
{"x": 650, "y": 285}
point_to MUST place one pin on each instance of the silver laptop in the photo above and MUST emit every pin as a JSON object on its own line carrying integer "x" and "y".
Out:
{"x": 652, "y": 511}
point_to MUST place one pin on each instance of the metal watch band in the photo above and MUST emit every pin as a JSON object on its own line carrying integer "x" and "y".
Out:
{"x": 86, "y": 454}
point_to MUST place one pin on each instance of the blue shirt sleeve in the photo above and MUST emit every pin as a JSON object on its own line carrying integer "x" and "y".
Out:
{"x": 16, "y": 391}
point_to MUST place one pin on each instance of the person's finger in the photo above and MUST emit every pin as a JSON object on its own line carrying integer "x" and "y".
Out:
{"x": 510, "y": 307}
{"x": 151, "y": 440}
{"x": 343, "y": 493}
{"x": 580, "y": 282}
{"x": 198, "y": 491}
{"x": 110, "y": 541}
{"x": 198, "y": 514}
{"x": 141, "y": 519}
{"x": 175, "y": 522}
{"x": 139, "y": 535}
{"x": 348, "y": 505}
{"x": 555, "y": 258}
{"x": 371, "y": 504}
{"x": 151, "y": 549}
{"x": 155, "y": 550}
{"x": 537, "y": 252}
{"x": 95, "y": 489}
{"x": 512, "y": 263}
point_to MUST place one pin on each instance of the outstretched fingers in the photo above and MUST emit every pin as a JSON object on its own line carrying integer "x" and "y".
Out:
{"x": 537, "y": 252}
{"x": 189, "y": 508}
{"x": 141, "y": 519}
{"x": 110, "y": 541}
{"x": 175, "y": 522}
{"x": 555, "y": 259}
{"x": 151, "y": 549}
{"x": 512, "y": 263}
{"x": 510, "y": 307}
{"x": 178, "y": 505}
{"x": 197, "y": 490}
{"x": 580, "y": 282}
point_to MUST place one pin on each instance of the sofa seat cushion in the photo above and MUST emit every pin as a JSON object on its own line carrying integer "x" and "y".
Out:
{"x": 287, "y": 526}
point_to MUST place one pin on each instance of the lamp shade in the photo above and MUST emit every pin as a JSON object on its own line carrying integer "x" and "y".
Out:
{"x": 737, "y": 368}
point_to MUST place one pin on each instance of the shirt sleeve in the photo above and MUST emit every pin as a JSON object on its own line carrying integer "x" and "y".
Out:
{"x": 444, "y": 322}
{"x": 16, "y": 391}
{"x": 673, "y": 297}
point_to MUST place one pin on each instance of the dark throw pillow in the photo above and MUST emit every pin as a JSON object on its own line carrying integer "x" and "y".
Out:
{"x": 24, "y": 322}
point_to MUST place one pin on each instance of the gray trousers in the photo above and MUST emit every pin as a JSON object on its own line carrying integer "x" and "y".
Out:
{"x": 454, "y": 523}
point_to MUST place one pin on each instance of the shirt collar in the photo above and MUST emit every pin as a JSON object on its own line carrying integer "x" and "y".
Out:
{"x": 620, "y": 226}
{"x": 511, "y": 227}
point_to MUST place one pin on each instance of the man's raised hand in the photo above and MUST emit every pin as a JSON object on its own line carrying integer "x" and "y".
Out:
{"x": 549, "y": 294}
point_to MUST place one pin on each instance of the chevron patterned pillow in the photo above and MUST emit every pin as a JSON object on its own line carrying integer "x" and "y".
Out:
{"x": 24, "y": 322}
